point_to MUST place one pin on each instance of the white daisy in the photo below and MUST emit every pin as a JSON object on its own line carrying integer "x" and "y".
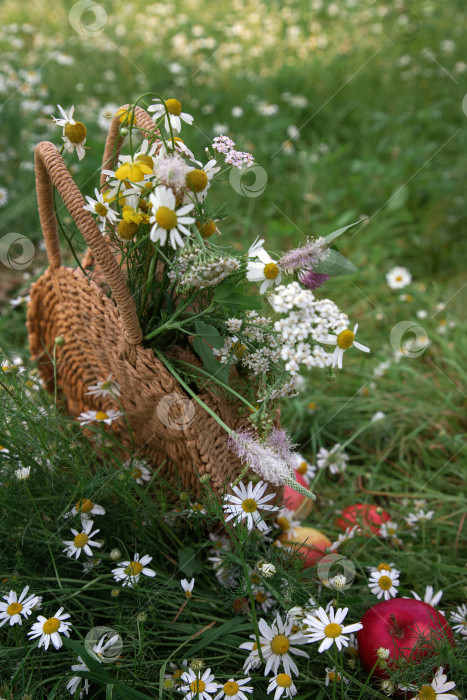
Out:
{"x": 100, "y": 207}
{"x": 97, "y": 652}
{"x": 23, "y": 473}
{"x": 4, "y": 450}
{"x": 130, "y": 571}
{"x": 437, "y": 689}
{"x": 167, "y": 220}
{"x": 3, "y": 196}
{"x": 328, "y": 628}
{"x": 383, "y": 568}
{"x": 261, "y": 267}
{"x": 99, "y": 416}
{"x": 430, "y": 596}
{"x": 50, "y": 629}
{"x": 198, "y": 687}
{"x": 15, "y": 607}
{"x": 264, "y": 599}
{"x": 198, "y": 180}
{"x": 245, "y": 504}
{"x": 307, "y": 470}
{"x": 139, "y": 470}
{"x": 398, "y": 277}
{"x": 334, "y": 459}
{"x": 82, "y": 540}
{"x": 109, "y": 387}
{"x": 187, "y": 586}
{"x": 175, "y": 146}
{"x": 460, "y": 618}
{"x": 85, "y": 507}
{"x": 74, "y": 133}
{"x": 388, "y": 530}
{"x": 235, "y": 689}
{"x": 281, "y": 684}
{"x": 384, "y": 584}
{"x": 343, "y": 341}
{"x": 419, "y": 517}
{"x": 65, "y": 118}
{"x": 333, "y": 676}
{"x": 252, "y": 661}
{"x": 277, "y": 643}
{"x": 286, "y": 523}
{"x": 73, "y": 683}
{"x": 171, "y": 110}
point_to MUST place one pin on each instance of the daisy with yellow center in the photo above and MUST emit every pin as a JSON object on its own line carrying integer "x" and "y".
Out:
{"x": 82, "y": 541}
{"x": 252, "y": 661}
{"x": 139, "y": 471}
{"x": 107, "y": 387}
{"x": 172, "y": 111}
{"x": 282, "y": 685}
{"x": 384, "y": 584}
{"x": 14, "y": 607}
{"x": 49, "y": 629}
{"x": 74, "y": 133}
{"x": 100, "y": 207}
{"x": 261, "y": 267}
{"x": 333, "y": 676}
{"x": 278, "y": 643}
{"x": 328, "y": 629}
{"x": 130, "y": 571}
{"x": 264, "y": 599}
{"x": 134, "y": 170}
{"x": 398, "y": 277}
{"x": 187, "y": 587}
{"x": 383, "y": 568}
{"x": 245, "y": 504}
{"x": 106, "y": 417}
{"x": 198, "y": 180}
{"x": 85, "y": 507}
{"x": 286, "y": 523}
{"x": 167, "y": 220}
{"x": 235, "y": 690}
{"x": 344, "y": 341}
{"x": 196, "y": 687}
{"x": 436, "y": 690}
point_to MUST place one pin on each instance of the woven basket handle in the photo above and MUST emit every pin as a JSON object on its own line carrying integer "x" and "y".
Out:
{"x": 114, "y": 141}
{"x": 51, "y": 170}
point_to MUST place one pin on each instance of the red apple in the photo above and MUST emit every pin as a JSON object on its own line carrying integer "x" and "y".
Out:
{"x": 297, "y": 501}
{"x": 313, "y": 544}
{"x": 399, "y": 625}
{"x": 368, "y": 517}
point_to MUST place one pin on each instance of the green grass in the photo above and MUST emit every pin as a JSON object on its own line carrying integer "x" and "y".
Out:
{"x": 393, "y": 130}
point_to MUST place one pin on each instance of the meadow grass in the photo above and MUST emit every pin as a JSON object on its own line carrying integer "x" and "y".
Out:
{"x": 380, "y": 129}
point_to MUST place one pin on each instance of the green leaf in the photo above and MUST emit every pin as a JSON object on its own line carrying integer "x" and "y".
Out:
{"x": 335, "y": 265}
{"x": 398, "y": 199}
{"x": 224, "y": 290}
{"x": 235, "y": 300}
{"x": 210, "y": 334}
{"x": 211, "y": 364}
{"x": 188, "y": 563}
{"x": 208, "y": 637}
{"x": 339, "y": 231}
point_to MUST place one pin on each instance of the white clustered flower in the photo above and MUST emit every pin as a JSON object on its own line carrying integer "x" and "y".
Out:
{"x": 171, "y": 171}
{"x": 259, "y": 350}
{"x": 307, "y": 320}
{"x": 334, "y": 459}
{"x": 200, "y": 271}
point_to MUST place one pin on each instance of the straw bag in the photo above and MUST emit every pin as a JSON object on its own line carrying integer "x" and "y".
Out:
{"x": 102, "y": 336}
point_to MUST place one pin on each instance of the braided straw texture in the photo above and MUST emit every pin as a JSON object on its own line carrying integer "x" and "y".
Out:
{"x": 102, "y": 336}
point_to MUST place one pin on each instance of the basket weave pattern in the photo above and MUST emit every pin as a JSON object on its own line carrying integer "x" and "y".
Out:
{"x": 102, "y": 336}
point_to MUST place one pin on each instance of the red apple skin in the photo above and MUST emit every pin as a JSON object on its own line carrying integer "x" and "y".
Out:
{"x": 365, "y": 515}
{"x": 414, "y": 617}
{"x": 313, "y": 547}
{"x": 297, "y": 502}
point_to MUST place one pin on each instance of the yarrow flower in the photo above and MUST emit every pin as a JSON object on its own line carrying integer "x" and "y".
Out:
{"x": 172, "y": 111}
{"x": 328, "y": 628}
{"x": 246, "y": 503}
{"x": 198, "y": 687}
{"x": 49, "y": 629}
{"x": 130, "y": 571}
{"x": 384, "y": 584}
{"x": 261, "y": 267}
{"x": 14, "y": 607}
{"x": 82, "y": 540}
{"x": 167, "y": 220}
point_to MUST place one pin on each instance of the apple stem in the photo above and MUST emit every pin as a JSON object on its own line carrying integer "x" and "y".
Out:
{"x": 397, "y": 629}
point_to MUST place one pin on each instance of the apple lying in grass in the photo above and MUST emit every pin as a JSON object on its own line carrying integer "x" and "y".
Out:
{"x": 313, "y": 544}
{"x": 400, "y": 624}
{"x": 368, "y": 517}
{"x": 297, "y": 502}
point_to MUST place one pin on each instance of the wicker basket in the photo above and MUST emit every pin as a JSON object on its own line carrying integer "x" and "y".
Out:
{"x": 102, "y": 336}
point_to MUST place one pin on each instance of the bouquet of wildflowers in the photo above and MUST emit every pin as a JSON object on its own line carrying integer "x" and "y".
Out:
{"x": 191, "y": 287}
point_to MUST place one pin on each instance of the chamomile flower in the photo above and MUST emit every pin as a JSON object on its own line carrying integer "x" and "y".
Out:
{"x": 344, "y": 341}
{"x": 278, "y": 643}
{"x": 85, "y": 507}
{"x": 252, "y": 661}
{"x": 198, "y": 180}
{"x": 333, "y": 676}
{"x": 130, "y": 571}
{"x": 23, "y": 473}
{"x": 328, "y": 628}
{"x": 419, "y": 517}
{"x": 436, "y": 690}
{"x": 398, "y": 277}
{"x": 98, "y": 653}
{"x": 187, "y": 587}
{"x": 334, "y": 459}
{"x": 245, "y": 504}
{"x": 49, "y": 629}
{"x": 82, "y": 540}
{"x": 307, "y": 470}
{"x": 264, "y": 599}
{"x": 460, "y": 618}
{"x": 14, "y": 607}
{"x": 108, "y": 387}
{"x": 100, "y": 207}
{"x": 172, "y": 111}
{"x": 235, "y": 690}
{"x": 388, "y": 530}
{"x": 384, "y": 584}
{"x": 262, "y": 268}
{"x": 383, "y": 568}
{"x": 139, "y": 470}
{"x": 74, "y": 133}
{"x": 430, "y": 597}
{"x": 3, "y": 196}
{"x": 4, "y": 450}
{"x": 198, "y": 687}
{"x": 282, "y": 684}
{"x": 167, "y": 220}
{"x": 286, "y": 523}
{"x": 99, "y": 416}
